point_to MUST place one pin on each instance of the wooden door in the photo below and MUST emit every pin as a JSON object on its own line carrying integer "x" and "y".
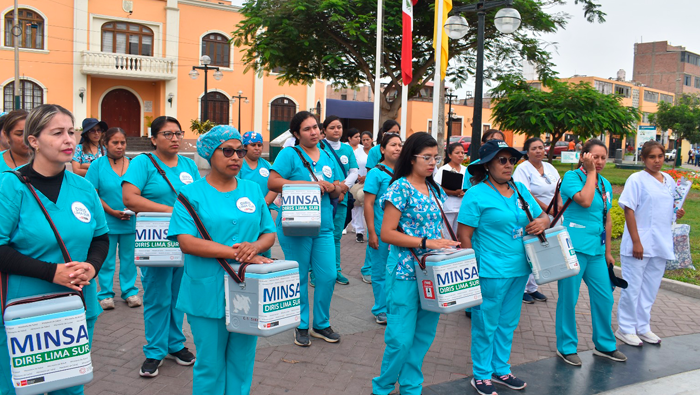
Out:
{"x": 121, "y": 108}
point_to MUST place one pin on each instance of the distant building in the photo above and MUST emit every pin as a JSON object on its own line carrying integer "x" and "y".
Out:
{"x": 670, "y": 68}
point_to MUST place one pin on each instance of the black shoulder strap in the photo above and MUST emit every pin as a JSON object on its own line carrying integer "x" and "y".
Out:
{"x": 337, "y": 158}
{"x": 444, "y": 217}
{"x": 161, "y": 172}
{"x": 237, "y": 277}
{"x": 384, "y": 169}
{"x": 526, "y": 207}
{"x": 306, "y": 163}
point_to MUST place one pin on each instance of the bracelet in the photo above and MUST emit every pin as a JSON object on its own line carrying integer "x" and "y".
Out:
{"x": 422, "y": 242}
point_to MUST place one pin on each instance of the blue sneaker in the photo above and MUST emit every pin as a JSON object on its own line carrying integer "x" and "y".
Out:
{"x": 509, "y": 381}
{"x": 527, "y": 299}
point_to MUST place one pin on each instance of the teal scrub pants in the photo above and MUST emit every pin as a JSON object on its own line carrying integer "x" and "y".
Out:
{"x": 366, "y": 269}
{"x": 162, "y": 321}
{"x": 594, "y": 271}
{"x": 493, "y": 324}
{"x": 225, "y": 359}
{"x": 6, "y": 387}
{"x": 409, "y": 333}
{"x": 312, "y": 252}
{"x": 378, "y": 258}
{"x": 127, "y": 269}
{"x": 338, "y": 226}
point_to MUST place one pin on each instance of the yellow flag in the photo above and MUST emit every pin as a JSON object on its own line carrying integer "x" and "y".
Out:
{"x": 446, "y": 8}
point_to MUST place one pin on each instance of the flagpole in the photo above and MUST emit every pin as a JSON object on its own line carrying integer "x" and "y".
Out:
{"x": 404, "y": 110}
{"x": 437, "y": 80}
{"x": 378, "y": 69}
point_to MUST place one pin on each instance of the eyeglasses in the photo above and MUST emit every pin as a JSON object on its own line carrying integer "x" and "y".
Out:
{"x": 228, "y": 152}
{"x": 169, "y": 135}
{"x": 429, "y": 158}
{"x": 503, "y": 160}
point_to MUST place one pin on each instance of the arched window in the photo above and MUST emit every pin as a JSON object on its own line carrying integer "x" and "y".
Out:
{"x": 217, "y": 47}
{"x": 282, "y": 109}
{"x": 31, "y": 32}
{"x": 218, "y": 108}
{"x": 127, "y": 38}
{"x": 31, "y": 95}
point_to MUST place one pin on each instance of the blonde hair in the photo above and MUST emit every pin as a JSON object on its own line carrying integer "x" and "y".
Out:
{"x": 38, "y": 118}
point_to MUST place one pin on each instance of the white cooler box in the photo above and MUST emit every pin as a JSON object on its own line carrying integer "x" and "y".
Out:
{"x": 48, "y": 344}
{"x": 267, "y": 302}
{"x": 449, "y": 282}
{"x": 153, "y": 249}
{"x": 553, "y": 260}
{"x": 301, "y": 210}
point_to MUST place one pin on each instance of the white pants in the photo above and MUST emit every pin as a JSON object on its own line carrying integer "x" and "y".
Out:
{"x": 531, "y": 284}
{"x": 644, "y": 278}
{"x": 452, "y": 218}
{"x": 358, "y": 219}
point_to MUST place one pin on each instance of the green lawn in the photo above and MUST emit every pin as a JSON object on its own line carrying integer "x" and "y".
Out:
{"x": 611, "y": 173}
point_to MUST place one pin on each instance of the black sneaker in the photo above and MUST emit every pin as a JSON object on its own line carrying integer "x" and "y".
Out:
{"x": 509, "y": 381}
{"x": 301, "y": 337}
{"x": 360, "y": 238}
{"x": 484, "y": 387}
{"x": 571, "y": 359}
{"x": 150, "y": 367}
{"x": 616, "y": 355}
{"x": 326, "y": 334}
{"x": 527, "y": 299}
{"x": 538, "y": 296}
{"x": 183, "y": 357}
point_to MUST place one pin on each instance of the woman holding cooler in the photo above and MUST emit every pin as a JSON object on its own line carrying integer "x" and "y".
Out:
{"x": 646, "y": 244}
{"x": 90, "y": 146}
{"x": 224, "y": 359}
{"x": 310, "y": 252}
{"x": 377, "y": 252}
{"x": 17, "y": 155}
{"x": 493, "y": 222}
{"x": 29, "y": 251}
{"x": 589, "y": 223}
{"x": 106, "y": 174}
{"x": 541, "y": 179}
{"x": 454, "y": 156}
{"x": 146, "y": 190}
{"x": 411, "y": 202}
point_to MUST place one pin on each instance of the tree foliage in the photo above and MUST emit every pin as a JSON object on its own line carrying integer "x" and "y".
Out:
{"x": 560, "y": 108}
{"x": 683, "y": 117}
{"x": 335, "y": 40}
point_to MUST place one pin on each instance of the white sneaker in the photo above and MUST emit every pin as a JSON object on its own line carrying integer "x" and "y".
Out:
{"x": 650, "y": 337}
{"x": 628, "y": 338}
{"x": 107, "y": 304}
{"x": 133, "y": 301}
{"x": 345, "y": 231}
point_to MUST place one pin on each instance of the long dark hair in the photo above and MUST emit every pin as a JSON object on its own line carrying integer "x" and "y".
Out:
{"x": 386, "y": 126}
{"x": 159, "y": 123}
{"x": 528, "y": 143}
{"x": 385, "y": 142}
{"x": 588, "y": 146}
{"x": 478, "y": 174}
{"x": 450, "y": 149}
{"x": 414, "y": 145}
{"x": 295, "y": 123}
{"x": 11, "y": 119}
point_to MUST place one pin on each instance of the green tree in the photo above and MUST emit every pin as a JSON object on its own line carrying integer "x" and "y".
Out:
{"x": 683, "y": 118}
{"x": 335, "y": 40}
{"x": 563, "y": 107}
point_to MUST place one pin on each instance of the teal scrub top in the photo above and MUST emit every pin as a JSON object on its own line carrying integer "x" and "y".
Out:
{"x": 290, "y": 167}
{"x": 144, "y": 176}
{"x": 347, "y": 160}
{"x": 499, "y": 224}
{"x": 78, "y": 216}
{"x": 259, "y": 175}
{"x": 375, "y": 154}
{"x": 230, "y": 217}
{"x": 109, "y": 187}
{"x": 376, "y": 183}
{"x": 585, "y": 225}
{"x": 3, "y": 165}
{"x": 420, "y": 217}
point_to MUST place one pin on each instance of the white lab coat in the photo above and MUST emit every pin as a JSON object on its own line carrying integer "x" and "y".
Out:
{"x": 453, "y": 203}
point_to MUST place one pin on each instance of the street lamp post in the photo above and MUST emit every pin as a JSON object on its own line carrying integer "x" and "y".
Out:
{"x": 205, "y": 61}
{"x": 449, "y": 97}
{"x": 507, "y": 21}
{"x": 240, "y": 97}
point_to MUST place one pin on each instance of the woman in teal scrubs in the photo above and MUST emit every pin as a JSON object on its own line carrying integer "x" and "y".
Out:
{"x": 411, "y": 202}
{"x": 106, "y": 174}
{"x": 145, "y": 190}
{"x": 389, "y": 126}
{"x": 492, "y": 221}
{"x": 310, "y": 252}
{"x": 240, "y": 233}
{"x": 376, "y": 184}
{"x": 17, "y": 155}
{"x": 29, "y": 252}
{"x": 589, "y": 224}
{"x": 255, "y": 168}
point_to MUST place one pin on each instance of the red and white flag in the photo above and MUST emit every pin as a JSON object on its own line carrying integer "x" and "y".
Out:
{"x": 407, "y": 41}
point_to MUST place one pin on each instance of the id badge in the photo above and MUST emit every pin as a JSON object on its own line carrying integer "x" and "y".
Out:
{"x": 517, "y": 233}
{"x": 602, "y": 238}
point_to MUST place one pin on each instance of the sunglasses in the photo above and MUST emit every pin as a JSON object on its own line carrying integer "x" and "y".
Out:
{"x": 228, "y": 152}
{"x": 503, "y": 160}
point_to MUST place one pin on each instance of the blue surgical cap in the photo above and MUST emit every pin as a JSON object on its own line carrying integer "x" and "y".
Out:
{"x": 211, "y": 140}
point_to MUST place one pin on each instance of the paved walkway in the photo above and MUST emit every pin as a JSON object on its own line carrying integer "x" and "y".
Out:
{"x": 348, "y": 367}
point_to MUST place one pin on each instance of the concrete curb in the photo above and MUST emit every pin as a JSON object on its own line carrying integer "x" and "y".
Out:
{"x": 676, "y": 286}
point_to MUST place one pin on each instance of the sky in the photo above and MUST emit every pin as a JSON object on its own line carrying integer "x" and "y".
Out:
{"x": 601, "y": 50}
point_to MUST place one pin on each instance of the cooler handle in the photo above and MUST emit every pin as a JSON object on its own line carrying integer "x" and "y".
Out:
{"x": 526, "y": 207}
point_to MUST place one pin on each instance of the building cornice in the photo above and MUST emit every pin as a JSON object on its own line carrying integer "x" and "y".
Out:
{"x": 204, "y": 4}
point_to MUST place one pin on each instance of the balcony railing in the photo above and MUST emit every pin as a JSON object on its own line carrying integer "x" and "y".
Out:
{"x": 131, "y": 66}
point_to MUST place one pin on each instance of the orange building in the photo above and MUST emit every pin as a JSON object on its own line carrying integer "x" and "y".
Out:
{"x": 128, "y": 62}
